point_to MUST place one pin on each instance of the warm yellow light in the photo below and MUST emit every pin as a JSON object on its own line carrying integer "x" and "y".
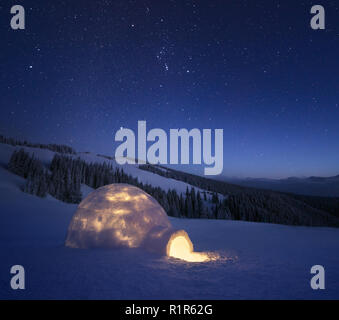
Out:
{"x": 181, "y": 248}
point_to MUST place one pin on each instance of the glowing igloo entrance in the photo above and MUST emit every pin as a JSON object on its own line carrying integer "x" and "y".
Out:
{"x": 121, "y": 215}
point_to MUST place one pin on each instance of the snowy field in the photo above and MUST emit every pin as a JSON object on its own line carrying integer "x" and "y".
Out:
{"x": 261, "y": 261}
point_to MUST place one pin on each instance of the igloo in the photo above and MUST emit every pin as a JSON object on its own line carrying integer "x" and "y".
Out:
{"x": 122, "y": 215}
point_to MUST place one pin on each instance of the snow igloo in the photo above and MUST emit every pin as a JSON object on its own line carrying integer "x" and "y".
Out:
{"x": 122, "y": 215}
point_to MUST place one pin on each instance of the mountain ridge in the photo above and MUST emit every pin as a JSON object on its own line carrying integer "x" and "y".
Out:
{"x": 171, "y": 188}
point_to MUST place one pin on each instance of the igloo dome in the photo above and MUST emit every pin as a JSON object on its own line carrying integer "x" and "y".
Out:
{"x": 122, "y": 215}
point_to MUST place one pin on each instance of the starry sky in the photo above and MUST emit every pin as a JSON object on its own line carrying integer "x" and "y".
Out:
{"x": 83, "y": 69}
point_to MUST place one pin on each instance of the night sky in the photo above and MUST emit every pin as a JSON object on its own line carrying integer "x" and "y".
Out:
{"x": 83, "y": 69}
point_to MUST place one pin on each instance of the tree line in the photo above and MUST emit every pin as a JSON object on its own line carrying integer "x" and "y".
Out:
{"x": 53, "y": 147}
{"x": 64, "y": 176}
{"x": 251, "y": 204}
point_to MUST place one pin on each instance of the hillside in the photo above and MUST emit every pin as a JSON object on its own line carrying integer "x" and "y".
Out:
{"x": 181, "y": 194}
{"x": 258, "y": 260}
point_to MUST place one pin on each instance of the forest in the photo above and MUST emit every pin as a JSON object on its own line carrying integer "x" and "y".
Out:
{"x": 205, "y": 199}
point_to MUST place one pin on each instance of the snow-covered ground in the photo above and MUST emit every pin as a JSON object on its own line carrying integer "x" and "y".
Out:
{"x": 260, "y": 261}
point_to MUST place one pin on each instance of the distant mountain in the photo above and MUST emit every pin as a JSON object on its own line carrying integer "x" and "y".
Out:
{"x": 312, "y": 186}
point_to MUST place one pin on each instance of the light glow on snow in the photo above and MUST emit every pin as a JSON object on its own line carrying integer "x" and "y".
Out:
{"x": 181, "y": 247}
